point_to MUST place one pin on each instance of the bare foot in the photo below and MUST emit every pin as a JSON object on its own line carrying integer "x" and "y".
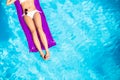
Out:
{"x": 42, "y": 55}
{"x": 47, "y": 55}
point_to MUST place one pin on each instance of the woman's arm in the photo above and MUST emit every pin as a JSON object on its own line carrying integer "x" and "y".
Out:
{"x": 10, "y": 2}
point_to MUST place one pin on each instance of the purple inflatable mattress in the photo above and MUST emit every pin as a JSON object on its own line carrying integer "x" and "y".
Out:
{"x": 32, "y": 47}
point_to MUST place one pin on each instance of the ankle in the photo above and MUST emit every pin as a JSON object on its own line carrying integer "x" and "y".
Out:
{"x": 47, "y": 50}
{"x": 40, "y": 51}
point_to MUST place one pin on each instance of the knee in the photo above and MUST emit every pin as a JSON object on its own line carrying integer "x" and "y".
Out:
{"x": 40, "y": 29}
{"x": 33, "y": 31}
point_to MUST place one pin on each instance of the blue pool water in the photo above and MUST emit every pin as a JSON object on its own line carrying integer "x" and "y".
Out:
{"x": 87, "y": 33}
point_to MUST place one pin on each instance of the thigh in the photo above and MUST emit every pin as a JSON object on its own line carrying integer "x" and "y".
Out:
{"x": 37, "y": 20}
{"x": 29, "y": 23}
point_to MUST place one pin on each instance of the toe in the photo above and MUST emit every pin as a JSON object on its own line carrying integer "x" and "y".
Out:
{"x": 46, "y": 57}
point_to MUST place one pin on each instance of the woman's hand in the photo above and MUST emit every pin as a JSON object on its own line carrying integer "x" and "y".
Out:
{"x": 10, "y": 2}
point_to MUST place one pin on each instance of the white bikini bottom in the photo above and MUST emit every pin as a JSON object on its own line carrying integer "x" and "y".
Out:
{"x": 31, "y": 13}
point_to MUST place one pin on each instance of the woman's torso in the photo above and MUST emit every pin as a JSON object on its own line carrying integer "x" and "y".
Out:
{"x": 28, "y": 4}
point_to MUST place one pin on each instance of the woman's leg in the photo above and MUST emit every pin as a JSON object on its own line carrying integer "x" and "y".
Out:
{"x": 38, "y": 23}
{"x": 32, "y": 28}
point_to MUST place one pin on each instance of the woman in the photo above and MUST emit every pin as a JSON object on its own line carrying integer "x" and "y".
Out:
{"x": 33, "y": 20}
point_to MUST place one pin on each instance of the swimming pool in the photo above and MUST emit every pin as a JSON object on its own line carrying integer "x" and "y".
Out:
{"x": 87, "y": 33}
